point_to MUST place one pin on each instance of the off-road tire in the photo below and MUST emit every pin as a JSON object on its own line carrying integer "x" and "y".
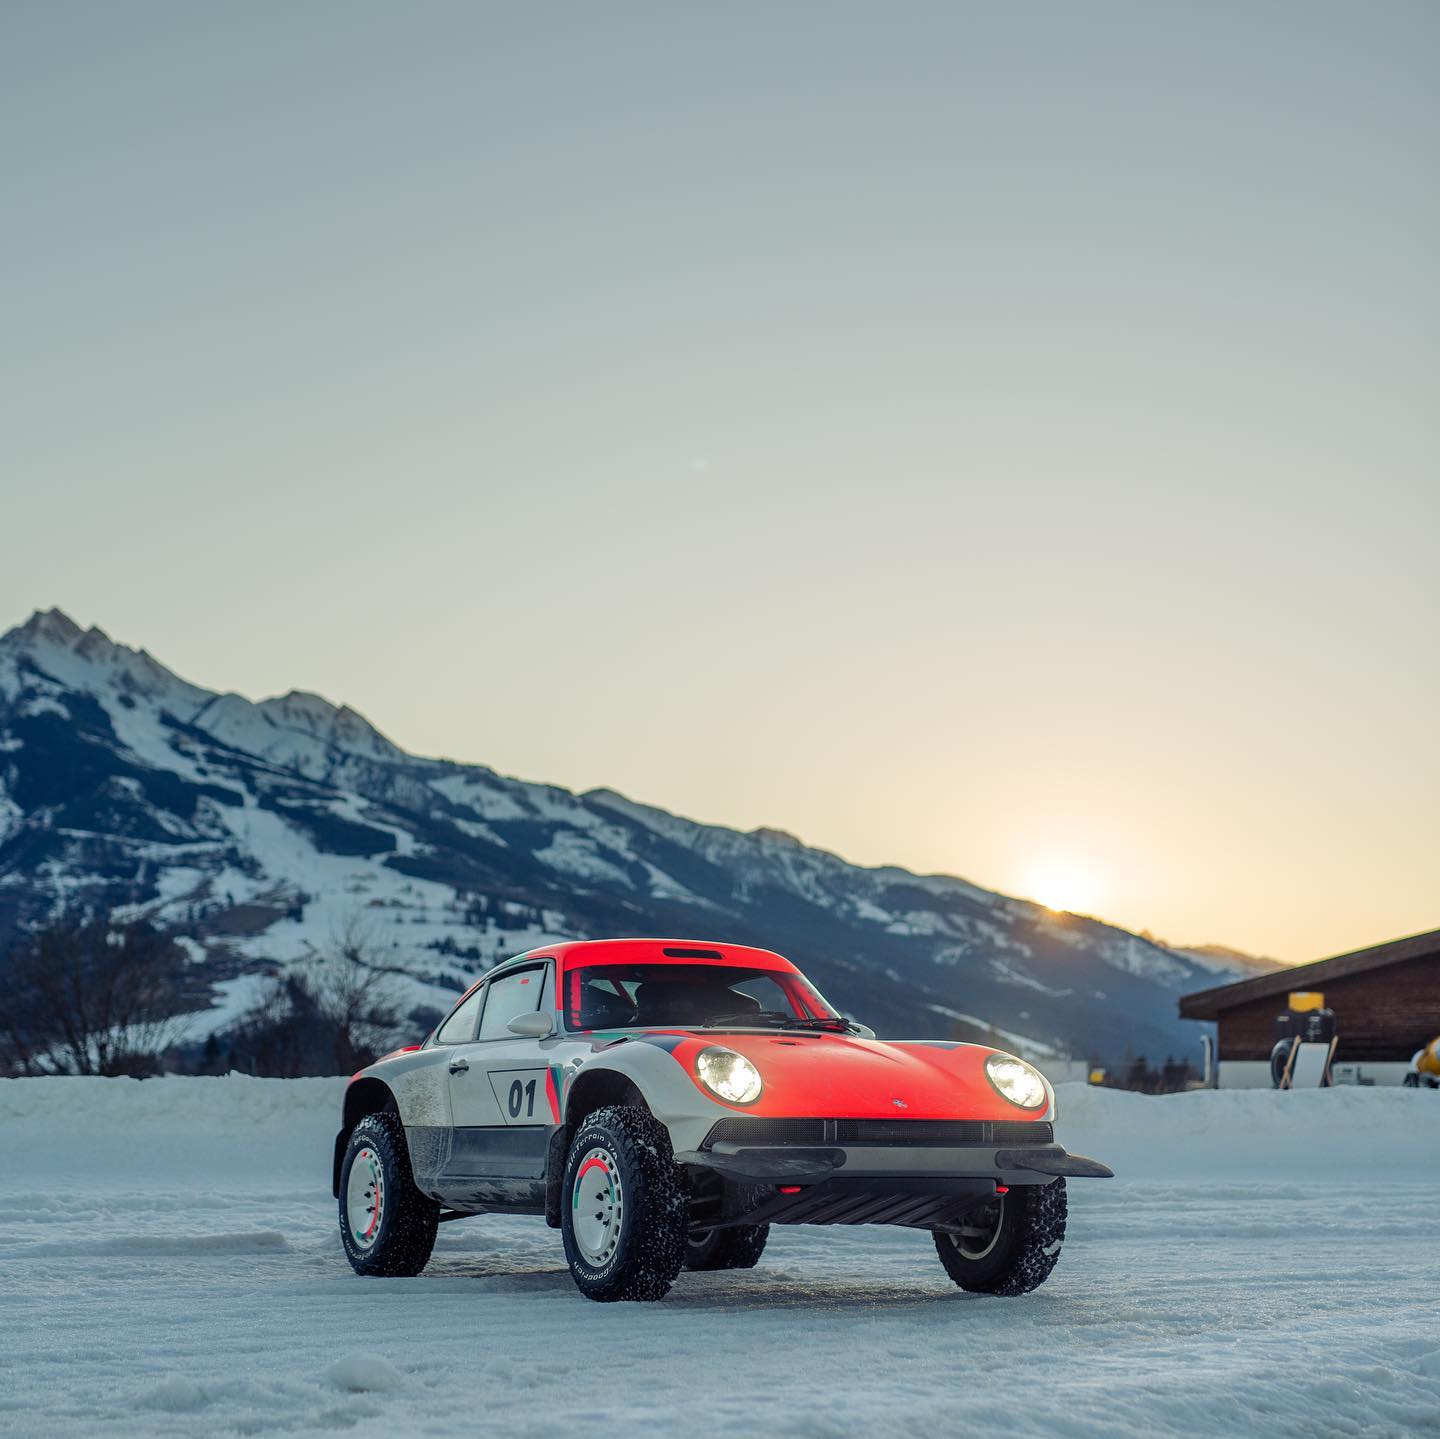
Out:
{"x": 405, "y": 1234}
{"x": 1025, "y": 1249}
{"x": 639, "y": 1246}
{"x": 737, "y": 1248}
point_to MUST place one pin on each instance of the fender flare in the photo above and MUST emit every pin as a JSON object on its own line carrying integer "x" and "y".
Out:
{"x": 646, "y": 1064}
{"x": 363, "y": 1095}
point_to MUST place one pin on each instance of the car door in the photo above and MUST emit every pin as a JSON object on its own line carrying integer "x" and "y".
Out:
{"x": 500, "y": 1093}
{"x": 472, "y": 1103}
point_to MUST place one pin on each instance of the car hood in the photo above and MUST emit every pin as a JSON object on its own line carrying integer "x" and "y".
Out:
{"x": 841, "y": 1076}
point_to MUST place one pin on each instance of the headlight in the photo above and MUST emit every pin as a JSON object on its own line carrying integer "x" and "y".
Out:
{"x": 1019, "y": 1082}
{"x": 729, "y": 1075}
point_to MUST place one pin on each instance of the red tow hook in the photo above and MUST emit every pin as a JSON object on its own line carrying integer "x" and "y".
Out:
{"x": 790, "y": 1188}
{"x": 1002, "y": 1189}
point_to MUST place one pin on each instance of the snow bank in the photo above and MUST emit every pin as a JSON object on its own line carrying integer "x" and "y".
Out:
{"x": 1342, "y": 1133}
{"x": 158, "y": 1130}
{"x": 166, "y": 1128}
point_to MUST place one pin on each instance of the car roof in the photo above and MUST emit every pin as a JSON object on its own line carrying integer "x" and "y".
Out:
{"x": 660, "y": 951}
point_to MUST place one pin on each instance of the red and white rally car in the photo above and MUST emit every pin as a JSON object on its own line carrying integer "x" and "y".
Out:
{"x": 663, "y": 1102}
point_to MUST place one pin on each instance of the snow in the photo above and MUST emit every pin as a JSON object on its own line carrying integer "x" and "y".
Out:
{"x": 1023, "y": 1045}
{"x": 1009, "y": 974}
{"x": 1264, "y": 1263}
{"x": 482, "y": 792}
{"x": 1126, "y": 952}
{"x": 576, "y": 855}
{"x": 233, "y": 999}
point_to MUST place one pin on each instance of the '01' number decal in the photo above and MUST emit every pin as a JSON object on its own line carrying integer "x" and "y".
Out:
{"x": 521, "y": 1095}
{"x": 522, "y": 1099}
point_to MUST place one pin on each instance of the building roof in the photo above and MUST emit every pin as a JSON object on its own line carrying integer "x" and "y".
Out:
{"x": 1208, "y": 1003}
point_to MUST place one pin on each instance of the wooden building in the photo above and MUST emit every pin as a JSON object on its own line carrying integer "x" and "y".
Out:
{"x": 1386, "y": 1002}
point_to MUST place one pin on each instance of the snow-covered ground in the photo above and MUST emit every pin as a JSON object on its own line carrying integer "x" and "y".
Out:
{"x": 1263, "y": 1263}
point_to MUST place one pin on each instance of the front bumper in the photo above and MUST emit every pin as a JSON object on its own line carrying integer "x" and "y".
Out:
{"x": 803, "y": 1164}
{"x": 928, "y": 1181}
{"x": 784, "y": 1152}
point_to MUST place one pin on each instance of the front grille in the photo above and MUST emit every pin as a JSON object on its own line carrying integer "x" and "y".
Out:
{"x": 1022, "y": 1131}
{"x": 768, "y": 1131}
{"x": 880, "y": 1131}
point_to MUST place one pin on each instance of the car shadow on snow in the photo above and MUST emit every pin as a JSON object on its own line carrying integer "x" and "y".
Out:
{"x": 760, "y": 1290}
{"x": 818, "y": 1294}
{"x": 496, "y": 1274}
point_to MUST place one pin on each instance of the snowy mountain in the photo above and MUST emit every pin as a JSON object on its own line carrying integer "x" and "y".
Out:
{"x": 262, "y": 832}
{"x": 1228, "y": 964}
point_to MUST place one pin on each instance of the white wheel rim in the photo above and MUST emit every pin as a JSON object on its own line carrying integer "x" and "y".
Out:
{"x": 980, "y": 1232}
{"x": 597, "y": 1207}
{"x": 365, "y": 1198}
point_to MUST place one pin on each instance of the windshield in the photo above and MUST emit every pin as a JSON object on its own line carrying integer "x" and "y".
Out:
{"x": 621, "y": 996}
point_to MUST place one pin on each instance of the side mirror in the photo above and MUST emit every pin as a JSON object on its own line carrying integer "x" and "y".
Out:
{"x": 535, "y": 1025}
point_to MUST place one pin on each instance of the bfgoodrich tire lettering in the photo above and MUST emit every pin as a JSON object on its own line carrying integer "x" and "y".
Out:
{"x": 386, "y": 1225}
{"x": 623, "y": 1209}
{"x": 1009, "y": 1246}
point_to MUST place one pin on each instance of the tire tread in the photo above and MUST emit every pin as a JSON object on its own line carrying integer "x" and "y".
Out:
{"x": 411, "y": 1219}
{"x": 1032, "y": 1249}
{"x": 652, "y": 1253}
{"x": 739, "y": 1247}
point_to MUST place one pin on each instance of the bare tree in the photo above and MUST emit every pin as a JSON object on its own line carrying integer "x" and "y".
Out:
{"x": 88, "y": 997}
{"x": 333, "y": 1017}
{"x": 357, "y": 993}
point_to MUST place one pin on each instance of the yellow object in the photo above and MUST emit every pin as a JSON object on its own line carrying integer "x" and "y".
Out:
{"x": 1429, "y": 1061}
{"x": 1303, "y": 1001}
{"x": 1097, "y": 1076}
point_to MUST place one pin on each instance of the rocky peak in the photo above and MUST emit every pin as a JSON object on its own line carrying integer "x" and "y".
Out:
{"x": 90, "y": 660}
{"x": 338, "y": 725}
{"x": 52, "y": 626}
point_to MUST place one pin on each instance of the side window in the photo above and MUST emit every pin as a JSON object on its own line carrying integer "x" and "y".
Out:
{"x": 514, "y": 994}
{"x": 460, "y": 1027}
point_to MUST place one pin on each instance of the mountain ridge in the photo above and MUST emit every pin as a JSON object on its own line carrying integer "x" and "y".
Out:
{"x": 262, "y": 827}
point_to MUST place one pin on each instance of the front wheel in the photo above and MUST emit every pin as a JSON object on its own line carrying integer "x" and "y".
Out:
{"x": 386, "y": 1225}
{"x": 1009, "y": 1244}
{"x": 624, "y": 1213}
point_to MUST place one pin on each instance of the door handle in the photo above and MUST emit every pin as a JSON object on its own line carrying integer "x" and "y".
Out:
{"x": 459, "y": 1066}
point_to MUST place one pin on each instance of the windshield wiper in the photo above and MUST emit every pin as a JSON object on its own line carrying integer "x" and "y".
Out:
{"x": 772, "y": 1019}
{"x": 836, "y": 1022}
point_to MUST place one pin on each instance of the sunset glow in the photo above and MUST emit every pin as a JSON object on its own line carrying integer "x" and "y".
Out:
{"x": 1061, "y": 884}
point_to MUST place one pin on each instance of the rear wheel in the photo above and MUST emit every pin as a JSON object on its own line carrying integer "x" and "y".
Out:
{"x": 386, "y": 1225}
{"x": 624, "y": 1213}
{"x": 1009, "y": 1244}
{"x": 737, "y": 1248}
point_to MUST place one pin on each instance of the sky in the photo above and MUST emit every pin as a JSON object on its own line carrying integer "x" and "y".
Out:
{"x": 996, "y": 440}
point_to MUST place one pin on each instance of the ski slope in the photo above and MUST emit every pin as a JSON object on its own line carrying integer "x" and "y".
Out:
{"x": 1264, "y": 1263}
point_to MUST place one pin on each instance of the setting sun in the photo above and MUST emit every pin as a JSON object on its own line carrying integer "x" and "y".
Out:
{"x": 1062, "y": 885}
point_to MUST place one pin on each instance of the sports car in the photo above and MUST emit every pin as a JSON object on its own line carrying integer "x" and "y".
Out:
{"x": 664, "y": 1102}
